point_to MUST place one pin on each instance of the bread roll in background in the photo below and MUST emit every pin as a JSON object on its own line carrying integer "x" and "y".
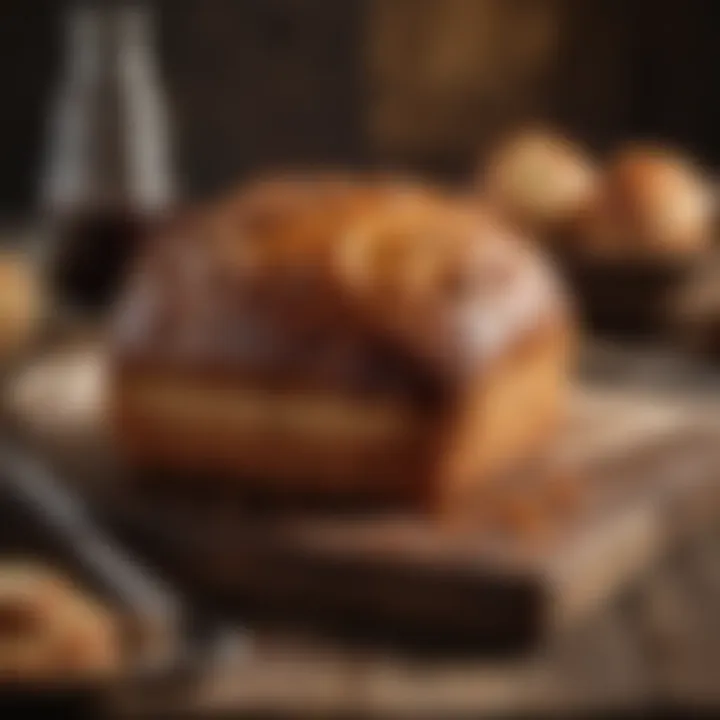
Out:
{"x": 654, "y": 204}
{"x": 540, "y": 180}
{"x": 21, "y": 302}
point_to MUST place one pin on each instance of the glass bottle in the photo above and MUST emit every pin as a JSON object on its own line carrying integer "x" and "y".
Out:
{"x": 108, "y": 176}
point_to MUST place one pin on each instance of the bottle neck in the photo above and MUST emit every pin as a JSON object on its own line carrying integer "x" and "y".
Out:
{"x": 109, "y": 139}
{"x": 104, "y": 40}
{"x": 135, "y": 38}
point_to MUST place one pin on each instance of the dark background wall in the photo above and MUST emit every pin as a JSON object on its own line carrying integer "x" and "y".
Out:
{"x": 257, "y": 83}
{"x": 250, "y": 83}
{"x": 642, "y": 68}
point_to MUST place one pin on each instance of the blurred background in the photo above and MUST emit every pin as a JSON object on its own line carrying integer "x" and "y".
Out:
{"x": 418, "y": 83}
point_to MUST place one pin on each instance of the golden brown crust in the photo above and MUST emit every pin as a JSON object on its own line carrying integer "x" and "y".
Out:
{"x": 438, "y": 279}
{"x": 654, "y": 203}
{"x": 453, "y": 285}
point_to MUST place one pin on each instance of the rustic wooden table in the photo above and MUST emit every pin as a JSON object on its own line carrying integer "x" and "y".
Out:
{"x": 657, "y": 645}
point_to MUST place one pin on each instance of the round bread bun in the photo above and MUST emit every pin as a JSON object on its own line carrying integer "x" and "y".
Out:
{"x": 20, "y": 302}
{"x": 539, "y": 179}
{"x": 653, "y": 203}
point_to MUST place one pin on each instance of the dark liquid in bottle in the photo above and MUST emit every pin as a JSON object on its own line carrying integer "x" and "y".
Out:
{"x": 108, "y": 172}
{"x": 94, "y": 252}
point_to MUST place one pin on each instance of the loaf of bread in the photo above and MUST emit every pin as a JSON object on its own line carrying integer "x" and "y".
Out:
{"x": 653, "y": 204}
{"x": 340, "y": 338}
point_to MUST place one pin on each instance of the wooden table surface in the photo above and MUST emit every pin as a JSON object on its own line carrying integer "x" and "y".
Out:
{"x": 657, "y": 644}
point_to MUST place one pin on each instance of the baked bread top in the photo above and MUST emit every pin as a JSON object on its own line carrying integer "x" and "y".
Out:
{"x": 327, "y": 272}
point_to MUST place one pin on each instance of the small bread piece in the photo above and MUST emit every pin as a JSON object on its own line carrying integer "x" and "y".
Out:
{"x": 654, "y": 204}
{"x": 50, "y": 630}
{"x": 539, "y": 179}
{"x": 396, "y": 343}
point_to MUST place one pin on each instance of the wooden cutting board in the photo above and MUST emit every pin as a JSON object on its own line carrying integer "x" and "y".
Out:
{"x": 632, "y": 474}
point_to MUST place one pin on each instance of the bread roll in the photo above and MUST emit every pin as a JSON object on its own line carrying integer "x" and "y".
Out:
{"x": 654, "y": 204}
{"x": 540, "y": 180}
